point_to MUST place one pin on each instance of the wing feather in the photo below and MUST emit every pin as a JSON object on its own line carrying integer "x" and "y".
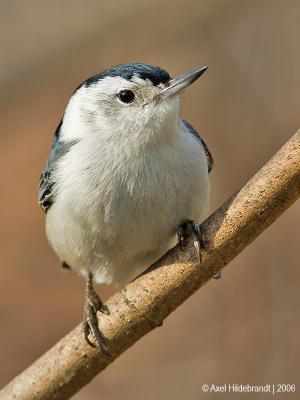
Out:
{"x": 210, "y": 161}
{"x": 46, "y": 184}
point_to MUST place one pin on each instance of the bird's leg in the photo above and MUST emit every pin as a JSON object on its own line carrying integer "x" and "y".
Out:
{"x": 93, "y": 304}
{"x": 191, "y": 228}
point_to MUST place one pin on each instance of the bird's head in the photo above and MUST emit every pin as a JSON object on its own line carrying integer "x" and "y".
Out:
{"x": 135, "y": 101}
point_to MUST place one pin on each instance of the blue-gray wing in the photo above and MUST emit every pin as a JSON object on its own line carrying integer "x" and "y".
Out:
{"x": 46, "y": 185}
{"x": 210, "y": 161}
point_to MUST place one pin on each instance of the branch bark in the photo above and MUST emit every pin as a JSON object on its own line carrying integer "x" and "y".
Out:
{"x": 144, "y": 303}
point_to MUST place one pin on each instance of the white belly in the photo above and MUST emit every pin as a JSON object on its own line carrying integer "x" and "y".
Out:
{"x": 116, "y": 224}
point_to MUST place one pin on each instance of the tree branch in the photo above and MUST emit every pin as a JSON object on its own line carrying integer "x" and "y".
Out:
{"x": 146, "y": 302}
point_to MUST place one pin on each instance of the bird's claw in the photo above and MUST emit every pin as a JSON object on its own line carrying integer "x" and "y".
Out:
{"x": 93, "y": 304}
{"x": 191, "y": 228}
{"x": 180, "y": 237}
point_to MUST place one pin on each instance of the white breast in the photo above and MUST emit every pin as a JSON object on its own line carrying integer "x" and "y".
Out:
{"x": 118, "y": 209}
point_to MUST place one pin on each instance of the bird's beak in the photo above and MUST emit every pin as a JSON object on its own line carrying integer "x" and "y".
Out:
{"x": 177, "y": 85}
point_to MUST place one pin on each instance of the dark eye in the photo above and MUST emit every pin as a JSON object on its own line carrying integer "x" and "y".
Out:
{"x": 126, "y": 96}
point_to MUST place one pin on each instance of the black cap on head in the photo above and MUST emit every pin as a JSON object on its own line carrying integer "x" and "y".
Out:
{"x": 144, "y": 71}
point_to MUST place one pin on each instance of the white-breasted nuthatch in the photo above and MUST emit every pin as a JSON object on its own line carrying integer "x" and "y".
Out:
{"x": 126, "y": 178}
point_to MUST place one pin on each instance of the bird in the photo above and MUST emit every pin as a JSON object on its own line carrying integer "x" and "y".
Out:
{"x": 126, "y": 179}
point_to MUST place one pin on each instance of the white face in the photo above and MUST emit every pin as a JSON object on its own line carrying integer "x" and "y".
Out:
{"x": 116, "y": 107}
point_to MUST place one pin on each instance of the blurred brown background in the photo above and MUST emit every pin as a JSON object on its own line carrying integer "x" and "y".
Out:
{"x": 245, "y": 328}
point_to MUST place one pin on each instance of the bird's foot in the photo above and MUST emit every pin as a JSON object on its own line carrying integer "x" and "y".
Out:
{"x": 92, "y": 304}
{"x": 191, "y": 228}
